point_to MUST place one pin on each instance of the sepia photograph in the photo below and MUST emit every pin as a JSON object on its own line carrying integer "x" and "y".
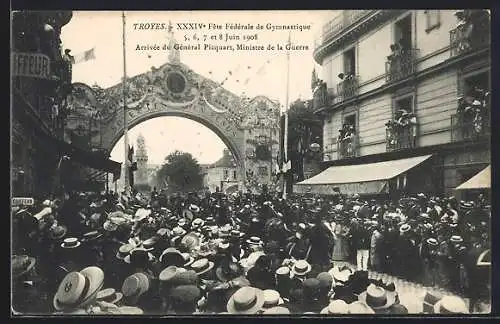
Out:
{"x": 228, "y": 163}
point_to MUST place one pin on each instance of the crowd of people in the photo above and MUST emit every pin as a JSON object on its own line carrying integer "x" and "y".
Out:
{"x": 246, "y": 254}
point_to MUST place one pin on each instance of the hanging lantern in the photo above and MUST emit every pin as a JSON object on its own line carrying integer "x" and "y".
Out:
{"x": 315, "y": 147}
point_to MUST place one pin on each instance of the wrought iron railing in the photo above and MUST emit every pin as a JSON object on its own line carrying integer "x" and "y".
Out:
{"x": 329, "y": 151}
{"x": 321, "y": 98}
{"x": 469, "y": 37}
{"x": 339, "y": 23}
{"x": 347, "y": 148}
{"x": 464, "y": 128}
{"x": 347, "y": 88}
{"x": 401, "y": 138}
{"x": 401, "y": 65}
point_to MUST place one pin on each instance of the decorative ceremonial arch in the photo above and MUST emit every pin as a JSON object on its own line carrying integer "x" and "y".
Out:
{"x": 171, "y": 90}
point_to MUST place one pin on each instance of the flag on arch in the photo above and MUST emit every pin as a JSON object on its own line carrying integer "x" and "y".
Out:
{"x": 84, "y": 56}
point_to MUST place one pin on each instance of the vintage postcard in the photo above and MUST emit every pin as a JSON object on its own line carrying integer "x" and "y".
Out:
{"x": 325, "y": 163}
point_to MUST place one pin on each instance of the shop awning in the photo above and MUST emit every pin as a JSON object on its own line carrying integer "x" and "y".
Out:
{"x": 369, "y": 178}
{"x": 482, "y": 180}
{"x": 95, "y": 160}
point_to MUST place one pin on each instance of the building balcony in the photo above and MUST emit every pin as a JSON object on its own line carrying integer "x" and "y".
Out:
{"x": 329, "y": 151}
{"x": 321, "y": 98}
{"x": 347, "y": 88}
{"x": 470, "y": 36}
{"x": 347, "y": 148}
{"x": 464, "y": 128}
{"x": 401, "y": 138}
{"x": 401, "y": 66}
{"x": 341, "y": 22}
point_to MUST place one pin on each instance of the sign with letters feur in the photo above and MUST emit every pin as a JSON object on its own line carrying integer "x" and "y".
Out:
{"x": 33, "y": 65}
{"x": 22, "y": 201}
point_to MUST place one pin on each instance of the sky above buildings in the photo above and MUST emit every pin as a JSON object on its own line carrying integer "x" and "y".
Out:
{"x": 267, "y": 75}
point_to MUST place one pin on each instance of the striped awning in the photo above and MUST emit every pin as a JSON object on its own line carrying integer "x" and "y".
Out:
{"x": 96, "y": 175}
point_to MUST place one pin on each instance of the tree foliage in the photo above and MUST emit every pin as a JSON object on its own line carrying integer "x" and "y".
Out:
{"x": 304, "y": 128}
{"x": 181, "y": 171}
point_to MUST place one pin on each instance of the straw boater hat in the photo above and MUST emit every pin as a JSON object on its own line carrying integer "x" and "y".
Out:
{"x": 272, "y": 299}
{"x": 130, "y": 310}
{"x": 134, "y": 287}
{"x": 78, "y": 289}
{"x": 193, "y": 208}
{"x": 190, "y": 241}
{"x": 197, "y": 222}
{"x": 202, "y": 266}
{"x": 283, "y": 272}
{"x": 172, "y": 256}
{"x": 278, "y": 310}
{"x": 466, "y": 205}
{"x": 21, "y": 265}
{"x": 358, "y": 307}
{"x": 91, "y": 236}
{"x": 432, "y": 241}
{"x": 337, "y": 306}
{"x": 237, "y": 234}
{"x": 70, "y": 243}
{"x": 404, "y": 228}
{"x": 178, "y": 231}
{"x": 254, "y": 240}
{"x": 58, "y": 232}
{"x": 109, "y": 295}
{"x": 124, "y": 250}
{"x": 450, "y": 305}
{"x": 246, "y": 300}
{"x": 210, "y": 221}
{"x": 456, "y": 239}
{"x": 301, "y": 268}
{"x": 377, "y": 297}
{"x": 169, "y": 273}
{"x": 149, "y": 244}
{"x": 340, "y": 275}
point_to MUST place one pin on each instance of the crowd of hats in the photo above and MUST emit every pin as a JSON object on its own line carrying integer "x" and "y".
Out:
{"x": 183, "y": 256}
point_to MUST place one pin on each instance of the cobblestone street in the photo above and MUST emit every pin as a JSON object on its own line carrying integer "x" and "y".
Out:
{"x": 412, "y": 294}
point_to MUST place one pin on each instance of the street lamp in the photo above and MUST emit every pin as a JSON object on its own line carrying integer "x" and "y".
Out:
{"x": 315, "y": 147}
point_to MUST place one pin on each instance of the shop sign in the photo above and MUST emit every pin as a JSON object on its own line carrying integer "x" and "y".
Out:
{"x": 22, "y": 201}
{"x": 32, "y": 65}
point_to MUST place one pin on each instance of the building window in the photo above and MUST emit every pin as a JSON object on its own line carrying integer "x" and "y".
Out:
{"x": 262, "y": 171}
{"x": 329, "y": 119}
{"x": 403, "y": 32}
{"x": 405, "y": 103}
{"x": 350, "y": 120}
{"x": 475, "y": 83}
{"x": 350, "y": 62}
{"x": 234, "y": 174}
{"x": 433, "y": 19}
{"x": 226, "y": 174}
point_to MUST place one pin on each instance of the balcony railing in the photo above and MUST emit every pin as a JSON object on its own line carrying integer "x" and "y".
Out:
{"x": 340, "y": 22}
{"x": 347, "y": 148}
{"x": 348, "y": 88}
{"x": 321, "y": 98}
{"x": 470, "y": 36}
{"x": 329, "y": 151}
{"x": 466, "y": 128}
{"x": 400, "y": 139}
{"x": 401, "y": 66}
